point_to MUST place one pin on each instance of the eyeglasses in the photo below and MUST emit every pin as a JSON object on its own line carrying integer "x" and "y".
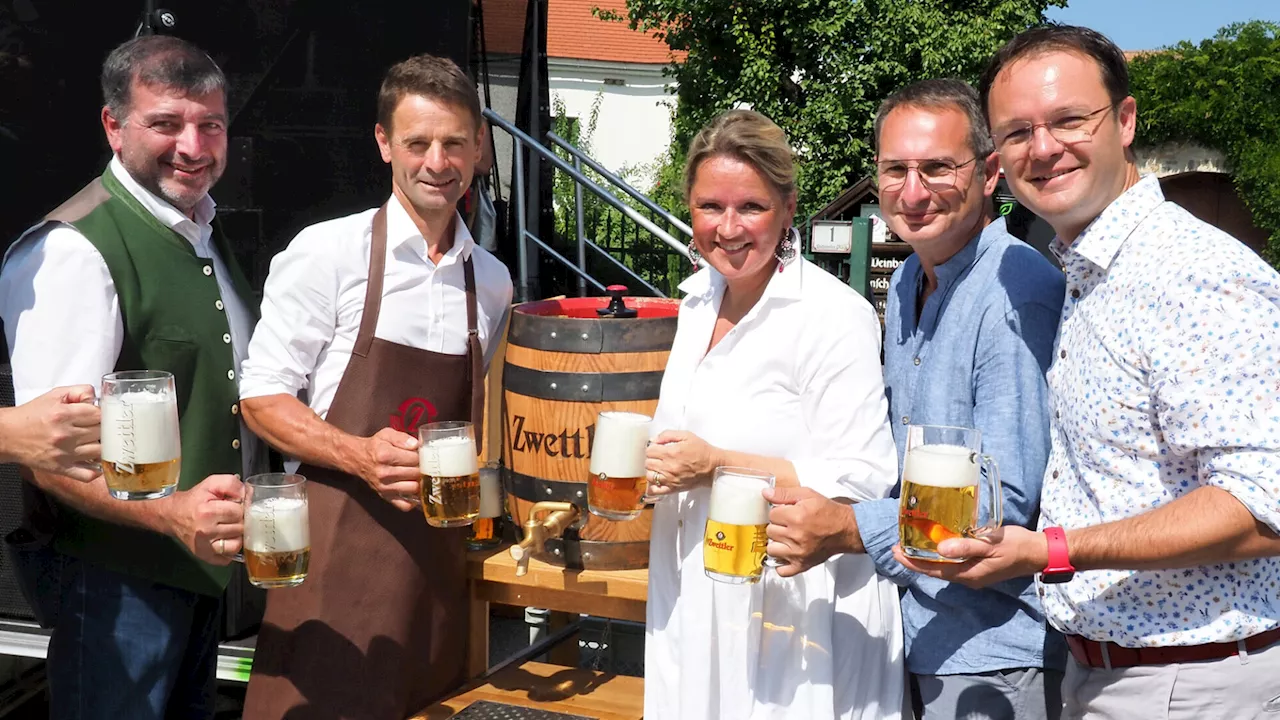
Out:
{"x": 936, "y": 175}
{"x": 1067, "y": 130}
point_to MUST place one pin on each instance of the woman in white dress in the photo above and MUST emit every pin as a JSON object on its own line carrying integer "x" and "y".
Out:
{"x": 775, "y": 366}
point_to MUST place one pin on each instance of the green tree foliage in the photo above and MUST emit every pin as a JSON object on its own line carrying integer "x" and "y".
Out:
{"x": 819, "y": 68}
{"x": 1224, "y": 94}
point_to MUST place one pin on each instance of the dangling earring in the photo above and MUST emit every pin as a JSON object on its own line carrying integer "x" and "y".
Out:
{"x": 786, "y": 250}
{"x": 694, "y": 256}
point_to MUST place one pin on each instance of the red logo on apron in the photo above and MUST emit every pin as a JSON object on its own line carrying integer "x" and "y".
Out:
{"x": 413, "y": 412}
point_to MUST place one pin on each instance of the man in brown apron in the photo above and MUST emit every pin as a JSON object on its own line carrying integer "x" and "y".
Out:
{"x": 381, "y": 317}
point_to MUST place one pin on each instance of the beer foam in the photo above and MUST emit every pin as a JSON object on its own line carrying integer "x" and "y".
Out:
{"x": 140, "y": 427}
{"x": 448, "y": 457}
{"x": 618, "y": 447}
{"x": 277, "y": 524}
{"x": 940, "y": 466}
{"x": 737, "y": 500}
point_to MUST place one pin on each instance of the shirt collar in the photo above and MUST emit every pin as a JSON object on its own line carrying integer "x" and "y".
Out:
{"x": 402, "y": 231}
{"x": 955, "y": 266}
{"x": 166, "y": 213}
{"x": 707, "y": 283}
{"x": 1102, "y": 239}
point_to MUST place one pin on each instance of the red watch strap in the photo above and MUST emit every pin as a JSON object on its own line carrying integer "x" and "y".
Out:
{"x": 1059, "y": 560}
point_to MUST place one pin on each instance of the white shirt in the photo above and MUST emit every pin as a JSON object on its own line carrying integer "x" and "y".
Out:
{"x": 314, "y": 299}
{"x": 62, "y": 315}
{"x": 1166, "y": 378}
{"x": 798, "y": 378}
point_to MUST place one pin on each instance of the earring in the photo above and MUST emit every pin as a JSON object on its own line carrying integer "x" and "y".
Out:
{"x": 786, "y": 250}
{"x": 694, "y": 256}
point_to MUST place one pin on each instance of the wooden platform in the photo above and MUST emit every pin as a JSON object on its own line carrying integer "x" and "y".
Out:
{"x": 554, "y": 688}
{"x": 617, "y": 594}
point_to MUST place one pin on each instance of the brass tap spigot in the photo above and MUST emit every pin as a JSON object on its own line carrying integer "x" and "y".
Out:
{"x": 537, "y": 531}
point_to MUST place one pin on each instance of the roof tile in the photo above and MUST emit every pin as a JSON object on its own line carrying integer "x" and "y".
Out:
{"x": 574, "y": 32}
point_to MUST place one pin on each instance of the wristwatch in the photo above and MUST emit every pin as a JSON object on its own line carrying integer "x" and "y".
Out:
{"x": 1059, "y": 569}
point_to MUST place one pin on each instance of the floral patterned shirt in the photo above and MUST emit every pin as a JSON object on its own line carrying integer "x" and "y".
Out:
{"x": 1165, "y": 378}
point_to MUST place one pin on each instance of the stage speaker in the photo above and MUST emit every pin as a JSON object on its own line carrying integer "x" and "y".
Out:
{"x": 12, "y": 605}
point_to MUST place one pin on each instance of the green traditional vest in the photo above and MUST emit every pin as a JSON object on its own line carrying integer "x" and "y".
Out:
{"x": 174, "y": 321}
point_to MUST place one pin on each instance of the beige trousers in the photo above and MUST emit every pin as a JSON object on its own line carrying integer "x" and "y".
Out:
{"x": 1243, "y": 687}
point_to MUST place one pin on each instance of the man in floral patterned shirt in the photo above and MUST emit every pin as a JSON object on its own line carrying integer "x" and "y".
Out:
{"x": 1161, "y": 499}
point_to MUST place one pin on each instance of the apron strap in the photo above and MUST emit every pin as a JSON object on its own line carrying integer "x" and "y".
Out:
{"x": 475, "y": 353}
{"x": 373, "y": 288}
{"x": 373, "y": 305}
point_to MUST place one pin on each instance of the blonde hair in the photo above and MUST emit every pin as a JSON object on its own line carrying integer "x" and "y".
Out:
{"x": 749, "y": 137}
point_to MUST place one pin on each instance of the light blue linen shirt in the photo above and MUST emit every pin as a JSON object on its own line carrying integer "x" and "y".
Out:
{"x": 976, "y": 358}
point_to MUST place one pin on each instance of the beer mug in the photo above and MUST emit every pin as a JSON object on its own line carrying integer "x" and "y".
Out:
{"x": 734, "y": 540}
{"x": 484, "y": 531}
{"x": 277, "y": 533}
{"x": 141, "y": 446}
{"x": 450, "y": 487}
{"x": 617, "y": 483}
{"x": 940, "y": 497}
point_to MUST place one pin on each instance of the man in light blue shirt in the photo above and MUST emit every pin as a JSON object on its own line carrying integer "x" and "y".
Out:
{"x": 970, "y": 327}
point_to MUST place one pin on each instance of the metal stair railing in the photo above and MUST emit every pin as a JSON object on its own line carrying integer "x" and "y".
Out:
{"x": 584, "y": 159}
{"x": 522, "y": 140}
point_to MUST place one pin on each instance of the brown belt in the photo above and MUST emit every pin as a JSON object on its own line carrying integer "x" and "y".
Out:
{"x": 1091, "y": 653}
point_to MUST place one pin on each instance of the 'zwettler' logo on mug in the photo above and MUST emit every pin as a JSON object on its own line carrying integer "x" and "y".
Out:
{"x": 413, "y": 412}
{"x": 719, "y": 542}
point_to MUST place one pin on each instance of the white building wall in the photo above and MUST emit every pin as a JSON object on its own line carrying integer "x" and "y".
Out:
{"x": 633, "y": 129}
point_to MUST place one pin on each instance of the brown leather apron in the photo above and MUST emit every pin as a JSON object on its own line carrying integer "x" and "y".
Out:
{"x": 379, "y": 629}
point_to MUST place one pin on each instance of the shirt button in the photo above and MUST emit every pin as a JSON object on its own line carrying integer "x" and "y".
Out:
{"x": 1075, "y": 294}
{"x": 235, "y": 408}
{"x": 226, "y": 337}
{"x": 231, "y": 374}
{"x": 906, "y": 419}
{"x": 1062, "y": 354}
{"x": 916, "y": 361}
{"x": 235, "y": 444}
{"x": 1055, "y": 474}
{"x": 208, "y": 270}
{"x": 217, "y": 304}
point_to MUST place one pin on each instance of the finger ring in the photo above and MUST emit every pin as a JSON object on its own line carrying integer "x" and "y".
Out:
{"x": 656, "y": 477}
{"x": 222, "y": 546}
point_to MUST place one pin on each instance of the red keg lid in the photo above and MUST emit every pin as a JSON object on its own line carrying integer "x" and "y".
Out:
{"x": 647, "y": 307}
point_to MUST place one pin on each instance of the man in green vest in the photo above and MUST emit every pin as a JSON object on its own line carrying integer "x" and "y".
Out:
{"x": 131, "y": 273}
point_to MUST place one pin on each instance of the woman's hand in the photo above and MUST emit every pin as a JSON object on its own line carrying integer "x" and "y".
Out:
{"x": 677, "y": 460}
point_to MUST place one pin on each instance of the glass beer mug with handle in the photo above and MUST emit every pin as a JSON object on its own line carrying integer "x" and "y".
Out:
{"x": 940, "y": 496}
{"x": 277, "y": 530}
{"x": 141, "y": 445}
{"x": 450, "y": 471}
{"x": 734, "y": 540}
{"x": 486, "y": 531}
{"x": 617, "y": 481}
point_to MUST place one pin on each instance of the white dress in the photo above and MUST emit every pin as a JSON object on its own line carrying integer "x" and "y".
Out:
{"x": 798, "y": 378}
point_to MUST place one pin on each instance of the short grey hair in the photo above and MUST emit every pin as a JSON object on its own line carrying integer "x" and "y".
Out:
{"x": 158, "y": 61}
{"x": 943, "y": 93}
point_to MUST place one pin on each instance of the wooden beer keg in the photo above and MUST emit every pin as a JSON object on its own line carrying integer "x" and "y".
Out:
{"x": 564, "y": 364}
